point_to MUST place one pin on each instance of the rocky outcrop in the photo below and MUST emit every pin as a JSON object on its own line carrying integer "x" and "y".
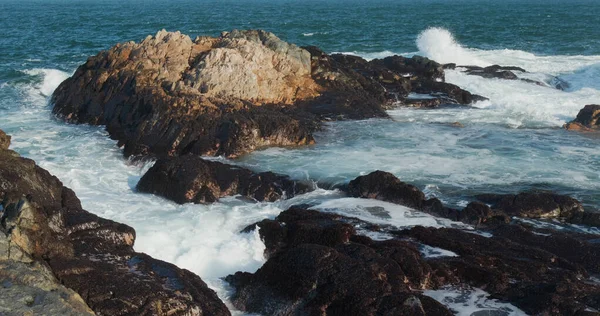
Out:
{"x": 170, "y": 95}
{"x": 320, "y": 266}
{"x": 47, "y": 229}
{"x": 539, "y": 205}
{"x": 318, "y": 263}
{"x": 586, "y": 120}
{"x": 190, "y": 178}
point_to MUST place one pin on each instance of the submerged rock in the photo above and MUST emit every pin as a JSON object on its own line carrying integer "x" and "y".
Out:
{"x": 45, "y": 225}
{"x": 190, "y": 178}
{"x": 587, "y": 119}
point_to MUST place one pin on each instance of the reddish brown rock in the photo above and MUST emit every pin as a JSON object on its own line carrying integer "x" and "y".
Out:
{"x": 586, "y": 120}
{"x": 4, "y": 140}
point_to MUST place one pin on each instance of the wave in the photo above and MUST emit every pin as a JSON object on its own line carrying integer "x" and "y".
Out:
{"x": 46, "y": 80}
{"x": 440, "y": 45}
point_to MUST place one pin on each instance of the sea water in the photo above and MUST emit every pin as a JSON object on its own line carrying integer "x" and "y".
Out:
{"x": 511, "y": 143}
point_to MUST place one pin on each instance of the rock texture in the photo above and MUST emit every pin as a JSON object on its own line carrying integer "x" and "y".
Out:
{"x": 318, "y": 264}
{"x": 586, "y": 120}
{"x": 540, "y": 205}
{"x": 44, "y": 221}
{"x": 170, "y": 95}
{"x": 190, "y": 178}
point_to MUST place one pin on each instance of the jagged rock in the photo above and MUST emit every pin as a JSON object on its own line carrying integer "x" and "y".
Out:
{"x": 190, "y": 178}
{"x": 317, "y": 262}
{"x": 318, "y": 265}
{"x": 586, "y": 120}
{"x": 170, "y": 95}
{"x": 539, "y": 273}
{"x": 44, "y": 221}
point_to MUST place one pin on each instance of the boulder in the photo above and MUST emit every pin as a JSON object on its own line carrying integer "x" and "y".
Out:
{"x": 385, "y": 186}
{"x": 189, "y": 178}
{"x": 586, "y": 120}
{"x": 169, "y": 95}
{"x": 44, "y": 224}
{"x": 494, "y": 71}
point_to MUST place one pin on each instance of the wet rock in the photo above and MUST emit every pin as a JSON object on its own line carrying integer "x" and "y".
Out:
{"x": 190, "y": 178}
{"x": 450, "y": 91}
{"x": 494, "y": 71}
{"x": 44, "y": 224}
{"x": 317, "y": 262}
{"x": 586, "y": 120}
{"x": 534, "y": 204}
{"x": 385, "y": 186}
{"x": 318, "y": 265}
{"x": 170, "y": 95}
{"x": 539, "y": 274}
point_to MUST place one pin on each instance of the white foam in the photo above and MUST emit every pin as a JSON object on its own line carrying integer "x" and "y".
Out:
{"x": 396, "y": 215}
{"x": 50, "y": 79}
{"x": 435, "y": 252}
{"x": 465, "y": 301}
{"x": 439, "y": 44}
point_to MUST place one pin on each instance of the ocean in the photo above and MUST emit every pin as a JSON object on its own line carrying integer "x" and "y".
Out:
{"x": 510, "y": 143}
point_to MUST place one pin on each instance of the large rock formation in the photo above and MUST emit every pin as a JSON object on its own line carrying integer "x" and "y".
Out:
{"x": 317, "y": 263}
{"x": 170, "y": 95}
{"x": 587, "y": 119}
{"x": 190, "y": 178}
{"x": 47, "y": 230}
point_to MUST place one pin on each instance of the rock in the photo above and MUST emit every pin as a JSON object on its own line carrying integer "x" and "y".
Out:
{"x": 169, "y": 95}
{"x": 317, "y": 262}
{"x": 190, "y": 178}
{"x": 451, "y": 92}
{"x": 494, "y": 71}
{"x": 385, "y": 186}
{"x": 340, "y": 274}
{"x": 4, "y": 140}
{"x": 44, "y": 224}
{"x": 31, "y": 289}
{"x": 540, "y": 274}
{"x": 586, "y": 120}
{"x": 534, "y": 204}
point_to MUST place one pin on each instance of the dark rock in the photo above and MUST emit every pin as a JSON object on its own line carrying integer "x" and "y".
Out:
{"x": 539, "y": 274}
{"x": 91, "y": 255}
{"x": 494, "y": 71}
{"x": 319, "y": 265}
{"x": 452, "y": 92}
{"x": 419, "y": 67}
{"x": 316, "y": 262}
{"x": 190, "y": 178}
{"x": 385, "y": 186}
{"x": 534, "y": 204}
{"x": 587, "y": 119}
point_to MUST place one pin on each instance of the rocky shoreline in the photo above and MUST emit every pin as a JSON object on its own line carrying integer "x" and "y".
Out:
{"x": 60, "y": 259}
{"x": 175, "y": 99}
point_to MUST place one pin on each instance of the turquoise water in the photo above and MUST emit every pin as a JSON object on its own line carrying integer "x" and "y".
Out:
{"x": 510, "y": 143}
